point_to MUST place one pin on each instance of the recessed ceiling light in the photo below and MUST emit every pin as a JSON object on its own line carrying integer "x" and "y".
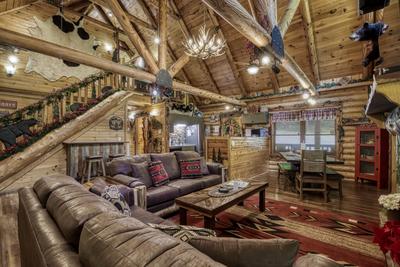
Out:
{"x": 13, "y": 59}
{"x": 306, "y": 95}
{"x": 312, "y": 101}
{"x": 253, "y": 69}
{"x": 265, "y": 60}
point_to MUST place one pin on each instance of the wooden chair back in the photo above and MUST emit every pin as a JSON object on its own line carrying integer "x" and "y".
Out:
{"x": 313, "y": 161}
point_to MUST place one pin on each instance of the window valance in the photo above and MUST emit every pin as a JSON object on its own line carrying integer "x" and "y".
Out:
{"x": 304, "y": 115}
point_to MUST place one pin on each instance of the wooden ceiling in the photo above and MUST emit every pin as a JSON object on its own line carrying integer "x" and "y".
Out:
{"x": 332, "y": 23}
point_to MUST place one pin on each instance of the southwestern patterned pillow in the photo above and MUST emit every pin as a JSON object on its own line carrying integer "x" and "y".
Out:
{"x": 191, "y": 168}
{"x": 112, "y": 194}
{"x": 158, "y": 173}
{"x": 183, "y": 232}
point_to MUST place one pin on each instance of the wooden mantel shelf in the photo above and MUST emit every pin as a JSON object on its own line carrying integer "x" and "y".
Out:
{"x": 93, "y": 142}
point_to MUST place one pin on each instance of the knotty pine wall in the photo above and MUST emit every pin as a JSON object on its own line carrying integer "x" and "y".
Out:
{"x": 353, "y": 100}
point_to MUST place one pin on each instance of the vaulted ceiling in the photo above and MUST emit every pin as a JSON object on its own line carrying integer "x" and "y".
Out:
{"x": 332, "y": 23}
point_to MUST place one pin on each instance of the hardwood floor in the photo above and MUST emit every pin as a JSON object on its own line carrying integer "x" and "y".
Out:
{"x": 359, "y": 199}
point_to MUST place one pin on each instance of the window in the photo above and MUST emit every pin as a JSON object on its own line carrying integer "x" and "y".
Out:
{"x": 315, "y": 134}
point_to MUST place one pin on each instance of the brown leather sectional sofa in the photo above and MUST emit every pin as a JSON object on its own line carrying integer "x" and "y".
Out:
{"x": 61, "y": 223}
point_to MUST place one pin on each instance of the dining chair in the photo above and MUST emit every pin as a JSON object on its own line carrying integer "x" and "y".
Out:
{"x": 314, "y": 176}
{"x": 288, "y": 171}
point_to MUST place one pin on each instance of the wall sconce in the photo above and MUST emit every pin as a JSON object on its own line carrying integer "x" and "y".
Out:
{"x": 10, "y": 70}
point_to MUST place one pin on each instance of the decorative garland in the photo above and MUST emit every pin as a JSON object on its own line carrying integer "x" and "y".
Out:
{"x": 39, "y": 134}
{"x": 50, "y": 99}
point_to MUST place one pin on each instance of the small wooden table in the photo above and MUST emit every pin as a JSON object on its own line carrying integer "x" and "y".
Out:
{"x": 209, "y": 207}
{"x": 295, "y": 158}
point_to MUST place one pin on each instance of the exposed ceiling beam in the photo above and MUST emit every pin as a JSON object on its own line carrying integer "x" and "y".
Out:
{"x": 171, "y": 13}
{"x": 18, "y": 8}
{"x": 287, "y": 17}
{"x": 308, "y": 25}
{"x": 47, "y": 48}
{"x": 178, "y": 65}
{"x": 132, "y": 34}
{"x": 236, "y": 15}
{"x": 267, "y": 19}
{"x": 162, "y": 22}
{"x": 229, "y": 55}
{"x": 80, "y": 5}
{"x": 104, "y": 15}
{"x": 135, "y": 20}
{"x": 187, "y": 34}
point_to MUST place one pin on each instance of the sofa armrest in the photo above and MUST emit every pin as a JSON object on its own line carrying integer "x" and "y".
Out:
{"x": 315, "y": 260}
{"x": 248, "y": 252}
{"x": 125, "y": 180}
{"x": 215, "y": 168}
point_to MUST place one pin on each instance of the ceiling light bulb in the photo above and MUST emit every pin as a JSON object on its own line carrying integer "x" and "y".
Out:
{"x": 253, "y": 69}
{"x": 13, "y": 59}
{"x": 227, "y": 107}
{"x": 155, "y": 92}
{"x": 306, "y": 95}
{"x": 10, "y": 70}
{"x": 312, "y": 101}
{"x": 157, "y": 40}
{"x": 139, "y": 62}
{"x": 108, "y": 47}
{"x": 265, "y": 60}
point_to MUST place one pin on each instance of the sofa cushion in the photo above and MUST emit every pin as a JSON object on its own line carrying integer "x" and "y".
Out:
{"x": 185, "y": 155}
{"x": 125, "y": 241}
{"x": 187, "y": 186}
{"x": 120, "y": 166}
{"x": 315, "y": 260}
{"x": 183, "y": 232}
{"x": 44, "y": 186}
{"x": 156, "y": 195}
{"x": 140, "y": 171}
{"x": 190, "y": 168}
{"x": 236, "y": 252}
{"x": 210, "y": 180}
{"x": 71, "y": 206}
{"x": 170, "y": 164}
{"x": 112, "y": 194}
{"x": 157, "y": 173}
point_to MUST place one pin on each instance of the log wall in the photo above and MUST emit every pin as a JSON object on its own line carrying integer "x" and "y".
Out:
{"x": 352, "y": 100}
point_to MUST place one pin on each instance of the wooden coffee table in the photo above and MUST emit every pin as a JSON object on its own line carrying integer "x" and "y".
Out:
{"x": 209, "y": 207}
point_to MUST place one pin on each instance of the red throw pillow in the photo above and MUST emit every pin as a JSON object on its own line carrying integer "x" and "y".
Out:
{"x": 158, "y": 173}
{"x": 191, "y": 168}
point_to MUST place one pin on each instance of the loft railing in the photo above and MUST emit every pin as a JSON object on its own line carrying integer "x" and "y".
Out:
{"x": 24, "y": 127}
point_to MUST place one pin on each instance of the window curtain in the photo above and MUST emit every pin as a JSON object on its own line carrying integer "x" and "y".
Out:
{"x": 304, "y": 115}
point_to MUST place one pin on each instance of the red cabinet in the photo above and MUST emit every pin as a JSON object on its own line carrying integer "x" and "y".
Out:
{"x": 372, "y": 155}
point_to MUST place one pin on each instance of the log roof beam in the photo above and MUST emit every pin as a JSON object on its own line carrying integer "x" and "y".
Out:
{"x": 132, "y": 34}
{"x": 287, "y": 17}
{"x": 47, "y": 48}
{"x": 236, "y": 15}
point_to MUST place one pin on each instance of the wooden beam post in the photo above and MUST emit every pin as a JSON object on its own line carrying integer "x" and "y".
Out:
{"x": 54, "y": 50}
{"x": 287, "y": 17}
{"x": 162, "y": 20}
{"x": 178, "y": 65}
{"x": 133, "y": 35}
{"x": 310, "y": 39}
{"x": 236, "y": 15}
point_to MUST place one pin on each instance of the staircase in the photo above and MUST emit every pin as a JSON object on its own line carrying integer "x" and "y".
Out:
{"x": 29, "y": 134}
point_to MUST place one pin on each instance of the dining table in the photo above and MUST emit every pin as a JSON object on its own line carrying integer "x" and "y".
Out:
{"x": 295, "y": 158}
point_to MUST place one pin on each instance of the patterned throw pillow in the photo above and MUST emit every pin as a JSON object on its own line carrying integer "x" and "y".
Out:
{"x": 158, "y": 173}
{"x": 183, "y": 232}
{"x": 112, "y": 194}
{"x": 191, "y": 168}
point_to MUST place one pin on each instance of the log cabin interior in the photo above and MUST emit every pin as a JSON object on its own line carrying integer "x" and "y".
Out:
{"x": 199, "y": 133}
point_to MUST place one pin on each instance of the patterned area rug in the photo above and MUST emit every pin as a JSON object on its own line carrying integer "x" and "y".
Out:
{"x": 346, "y": 239}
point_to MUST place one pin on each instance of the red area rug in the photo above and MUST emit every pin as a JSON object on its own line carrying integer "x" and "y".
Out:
{"x": 345, "y": 239}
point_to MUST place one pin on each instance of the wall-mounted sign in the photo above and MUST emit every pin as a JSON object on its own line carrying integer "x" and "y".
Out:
{"x": 116, "y": 123}
{"x": 8, "y": 104}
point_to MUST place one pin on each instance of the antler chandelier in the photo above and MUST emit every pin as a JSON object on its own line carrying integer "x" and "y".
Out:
{"x": 205, "y": 45}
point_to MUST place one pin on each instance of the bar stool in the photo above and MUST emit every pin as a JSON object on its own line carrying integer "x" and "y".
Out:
{"x": 97, "y": 160}
{"x": 115, "y": 156}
